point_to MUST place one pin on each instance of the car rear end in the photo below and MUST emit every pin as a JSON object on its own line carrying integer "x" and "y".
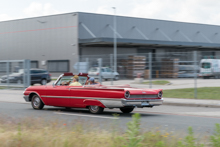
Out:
{"x": 142, "y": 98}
{"x": 94, "y": 72}
{"x": 48, "y": 77}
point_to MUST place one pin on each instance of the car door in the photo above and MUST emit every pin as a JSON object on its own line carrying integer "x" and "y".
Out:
{"x": 77, "y": 94}
{"x": 35, "y": 76}
{"x": 109, "y": 73}
{"x": 58, "y": 96}
{"x": 104, "y": 73}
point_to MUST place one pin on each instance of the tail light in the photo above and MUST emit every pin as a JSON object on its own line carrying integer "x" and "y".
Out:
{"x": 97, "y": 74}
{"x": 127, "y": 94}
{"x": 160, "y": 94}
{"x": 50, "y": 75}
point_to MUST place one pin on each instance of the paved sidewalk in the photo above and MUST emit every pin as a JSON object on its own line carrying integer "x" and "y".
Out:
{"x": 192, "y": 102}
{"x": 17, "y": 96}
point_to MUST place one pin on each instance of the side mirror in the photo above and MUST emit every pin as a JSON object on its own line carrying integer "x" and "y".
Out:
{"x": 53, "y": 85}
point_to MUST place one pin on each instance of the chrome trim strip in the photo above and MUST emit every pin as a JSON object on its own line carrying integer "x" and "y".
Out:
{"x": 67, "y": 97}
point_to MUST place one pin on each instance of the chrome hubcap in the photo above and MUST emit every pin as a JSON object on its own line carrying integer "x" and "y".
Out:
{"x": 36, "y": 101}
{"x": 94, "y": 108}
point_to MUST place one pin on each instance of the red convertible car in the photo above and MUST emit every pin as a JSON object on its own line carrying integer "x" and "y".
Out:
{"x": 94, "y": 97}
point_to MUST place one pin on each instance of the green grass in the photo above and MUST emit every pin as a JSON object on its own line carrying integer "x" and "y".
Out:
{"x": 158, "y": 82}
{"x": 202, "y": 93}
{"x": 2, "y": 87}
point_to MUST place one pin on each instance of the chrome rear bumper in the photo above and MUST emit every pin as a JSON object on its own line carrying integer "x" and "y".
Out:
{"x": 143, "y": 103}
{"x": 117, "y": 103}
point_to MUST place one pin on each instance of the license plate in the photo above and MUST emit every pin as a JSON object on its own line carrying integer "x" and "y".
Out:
{"x": 144, "y": 103}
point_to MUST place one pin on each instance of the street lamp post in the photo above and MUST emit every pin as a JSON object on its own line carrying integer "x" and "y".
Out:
{"x": 115, "y": 41}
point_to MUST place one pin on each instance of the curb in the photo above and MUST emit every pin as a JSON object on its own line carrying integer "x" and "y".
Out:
{"x": 191, "y": 104}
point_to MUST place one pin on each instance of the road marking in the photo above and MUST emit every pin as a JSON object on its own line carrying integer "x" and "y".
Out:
{"x": 86, "y": 115}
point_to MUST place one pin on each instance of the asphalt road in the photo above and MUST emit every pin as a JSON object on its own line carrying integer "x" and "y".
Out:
{"x": 174, "y": 119}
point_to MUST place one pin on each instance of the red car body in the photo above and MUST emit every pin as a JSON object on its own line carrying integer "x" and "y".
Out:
{"x": 92, "y": 96}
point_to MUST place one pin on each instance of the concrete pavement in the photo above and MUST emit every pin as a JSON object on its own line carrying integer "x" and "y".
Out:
{"x": 174, "y": 83}
{"x": 17, "y": 96}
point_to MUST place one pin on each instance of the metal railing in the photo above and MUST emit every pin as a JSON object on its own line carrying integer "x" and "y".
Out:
{"x": 15, "y": 73}
{"x": 152, "y": 66}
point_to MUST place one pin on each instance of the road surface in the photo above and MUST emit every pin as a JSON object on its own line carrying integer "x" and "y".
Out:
{"x": 174, "y": 119}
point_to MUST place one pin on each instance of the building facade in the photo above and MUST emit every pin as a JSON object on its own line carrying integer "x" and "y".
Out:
{"x": 57, "y": 42}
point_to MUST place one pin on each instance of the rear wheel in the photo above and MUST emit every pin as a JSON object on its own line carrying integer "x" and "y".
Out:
{"x": 126, "y": 110}
{"x": 116, "y": 78}
{"x": 36, "y": 102}
{"x": 96, "y": 109}
{"x": 43, "y": 82}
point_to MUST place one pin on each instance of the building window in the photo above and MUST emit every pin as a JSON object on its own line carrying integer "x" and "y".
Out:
{"x": 58, "y": 65}
{"x": 34, "y": 64}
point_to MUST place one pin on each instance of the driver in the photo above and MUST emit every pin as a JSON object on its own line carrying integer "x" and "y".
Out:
{"x": 75, "y": 81}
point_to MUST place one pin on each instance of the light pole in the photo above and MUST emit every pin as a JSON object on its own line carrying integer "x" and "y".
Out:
{"x": 115, "y": 41}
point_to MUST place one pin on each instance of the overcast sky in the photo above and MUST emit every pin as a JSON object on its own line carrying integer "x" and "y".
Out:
{"x": 195, "y": 11}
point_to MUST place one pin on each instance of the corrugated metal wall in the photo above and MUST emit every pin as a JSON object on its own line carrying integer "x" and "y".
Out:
{"x": 40, "y": 39}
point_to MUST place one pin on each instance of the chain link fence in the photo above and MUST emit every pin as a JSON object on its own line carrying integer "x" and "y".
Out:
{"x": 149, "y": 67}
{"x": 14, "y": 73}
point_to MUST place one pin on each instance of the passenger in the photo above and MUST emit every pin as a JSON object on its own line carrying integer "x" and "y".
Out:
{"x": 75, "y": 81}
{"x": 92, "y": 81}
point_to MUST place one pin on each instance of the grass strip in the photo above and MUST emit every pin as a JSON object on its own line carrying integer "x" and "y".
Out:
{"x": 202, "y": 93}
{"x": 162, "y": 82}
{"x": 38, "y": 132}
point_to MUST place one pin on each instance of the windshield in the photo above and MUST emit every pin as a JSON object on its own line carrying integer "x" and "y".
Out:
{"x": 206, "y": 65}
{"x": 82, "y": 80}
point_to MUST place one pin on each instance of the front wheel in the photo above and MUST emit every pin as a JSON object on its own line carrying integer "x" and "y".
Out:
{"x": 36, "y": 102}
{"x": 126, "y": 110}
{"x": 96, "y": 109}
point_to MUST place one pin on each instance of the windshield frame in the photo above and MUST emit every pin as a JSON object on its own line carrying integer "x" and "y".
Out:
{"x": 82, "y": 80}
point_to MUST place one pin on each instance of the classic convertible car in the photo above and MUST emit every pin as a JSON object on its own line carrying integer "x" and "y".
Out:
{"x": 94, "y": 97}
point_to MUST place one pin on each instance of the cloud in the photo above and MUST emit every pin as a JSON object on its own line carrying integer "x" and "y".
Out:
{"x": 197, "y": 11}
{"x": 104, "y": 10}
{"x": 4, "y": 17}
{"x": 39, "y": 9}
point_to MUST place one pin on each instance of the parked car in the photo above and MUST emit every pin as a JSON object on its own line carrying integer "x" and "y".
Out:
{"x": 40, "y": 76}
{"x": 94, "y": 97}
{"x": 187, "y": 71}
{"x": 210, "y": 68}
{"x": 106, "y": 73}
